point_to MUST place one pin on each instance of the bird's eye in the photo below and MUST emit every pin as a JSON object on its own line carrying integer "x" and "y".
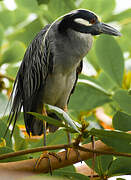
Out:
{"x": 83, "y": 21}
{"x": 92, "y": 21}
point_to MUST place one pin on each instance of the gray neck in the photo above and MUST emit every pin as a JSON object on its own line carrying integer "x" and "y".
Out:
{"x": 69, "y": 49}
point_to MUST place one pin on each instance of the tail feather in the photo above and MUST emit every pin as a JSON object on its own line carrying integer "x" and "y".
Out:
{"x": 15, "y": 102}
{"x": 33, "y": 125}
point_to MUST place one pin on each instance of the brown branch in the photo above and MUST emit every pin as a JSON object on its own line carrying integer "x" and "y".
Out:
{"x": 34, "y": 150}
{"x": 86, "y": 152}
{"x": 61, "y": 146}
{"x": 104, "y": 152}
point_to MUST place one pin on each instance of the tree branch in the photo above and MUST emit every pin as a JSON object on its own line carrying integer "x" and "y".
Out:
{"x": 85, "y": 151}
{"x": 61, "y": 146}
{"x": 34, "y": 150}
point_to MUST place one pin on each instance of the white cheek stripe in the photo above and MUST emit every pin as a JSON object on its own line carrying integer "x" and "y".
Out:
{"x": 82, "y": 21}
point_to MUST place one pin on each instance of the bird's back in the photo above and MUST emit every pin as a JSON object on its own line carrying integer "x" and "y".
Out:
{"x": 48, "y": 73}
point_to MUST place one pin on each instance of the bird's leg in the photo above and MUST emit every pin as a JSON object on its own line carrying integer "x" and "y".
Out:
{"x": 69, "y": 138}
{"x": 68, "y": 134}
{"x": 69, "y": 142}
{"x": 94, "y": 157}
{"x": 46, "y": 154}
{"x": 44, "y": 125}
{"x": 44, "y": 132}
{"x": 74, "y": 147}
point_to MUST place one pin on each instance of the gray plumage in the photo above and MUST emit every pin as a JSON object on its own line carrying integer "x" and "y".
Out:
{"x": 50, "y": 68}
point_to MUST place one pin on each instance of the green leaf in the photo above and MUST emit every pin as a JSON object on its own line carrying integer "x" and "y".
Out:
{"x": 6, "y": 18}
{"x": 12, "y": 70}
{"x": 58, "y": 8}
{"x": 120, "y": 141}
{"x": 20, "y": 120}
{"x": 5, "y": 150}
{"x": 42, "y": 176}
{"x": 124, "y": 41}
{"x": 1, "y": 34}
{"x": 122, "y": 121}
{"x": 87, "y": 97}
{"x": 3, "y": 129}
{"x": 96, "y": 86}
{"x": 123, "y": 100}
{"x": 58, "y": 137}
{"x": 14, "y": 53}
{"x": 67, "y": 168}
{"x": 110, "y": 58}
{"x": 20, "y": 143}
{"x": 102, "y": 81}
{"x": 20, "y": 14}
{"x": 122, "y": 16}
{"x": 105, "y": 81}
{"x": 101, "y": 7}
{"x": 48, "y": 119}
{"x": 27, "y": 33}
{"x": 102, "y": 164}
{"x": 65, "y": 117}
{"x": 120, "y": 166}
{"x": 30, "y": 5}
{"x": 92, "y": 58}
{"x": 43, "y": 2}
{"x": 3, "y": 103}
{"x": 72, "y": 175}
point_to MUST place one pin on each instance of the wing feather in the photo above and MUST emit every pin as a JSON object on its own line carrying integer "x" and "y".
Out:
{"x": 29, "y": 80}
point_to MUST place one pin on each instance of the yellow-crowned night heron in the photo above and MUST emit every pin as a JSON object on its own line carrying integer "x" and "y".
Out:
{"x": 51, "y": 64}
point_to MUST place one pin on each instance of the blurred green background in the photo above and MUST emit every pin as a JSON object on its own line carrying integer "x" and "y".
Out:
{"x": 105, "y": 81}
{"x": 20, "y": 25}
{"x": 107, "y": 67}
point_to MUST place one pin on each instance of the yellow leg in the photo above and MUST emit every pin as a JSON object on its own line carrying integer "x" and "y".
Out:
{"x": 69, "y": 141}
{"x": 46, "y": 154}
{"x": 44, "y": 125}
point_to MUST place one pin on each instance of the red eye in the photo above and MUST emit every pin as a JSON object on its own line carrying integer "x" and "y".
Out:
{"x": 92, "y": 21}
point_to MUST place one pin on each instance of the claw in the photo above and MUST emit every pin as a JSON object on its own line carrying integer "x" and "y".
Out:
{"x": 47, "y": 156}
{"x": 77, "y": 154}
{"x": 76, "y": 151}
{"x": 67, "y": 153}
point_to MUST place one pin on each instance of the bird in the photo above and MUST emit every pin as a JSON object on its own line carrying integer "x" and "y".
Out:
{"x": 51, "y": 64}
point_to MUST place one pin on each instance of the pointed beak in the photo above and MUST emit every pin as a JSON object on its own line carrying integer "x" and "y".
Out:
{"x": 106, "y": 29}
{"x": 102, "y": 28}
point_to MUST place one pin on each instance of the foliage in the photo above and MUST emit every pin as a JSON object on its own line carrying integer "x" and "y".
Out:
{"x": 109, "y": 88}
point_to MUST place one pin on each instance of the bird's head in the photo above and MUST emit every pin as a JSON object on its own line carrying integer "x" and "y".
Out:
{"x": 86, "y": 22}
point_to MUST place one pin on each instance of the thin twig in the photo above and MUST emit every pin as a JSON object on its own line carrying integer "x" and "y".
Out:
{"x": 34, "y": 150}
{"x": 94, "y": 157}
{"x": 81, "y": 148}
{"x": 62, "y": 146}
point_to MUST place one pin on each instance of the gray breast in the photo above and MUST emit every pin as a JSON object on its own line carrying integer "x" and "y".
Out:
{"x": 68, "y": 50}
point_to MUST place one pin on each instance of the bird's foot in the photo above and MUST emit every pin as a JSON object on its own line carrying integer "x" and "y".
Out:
{"x": 47, "y": 155}
{"x": 76, "y": 151}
